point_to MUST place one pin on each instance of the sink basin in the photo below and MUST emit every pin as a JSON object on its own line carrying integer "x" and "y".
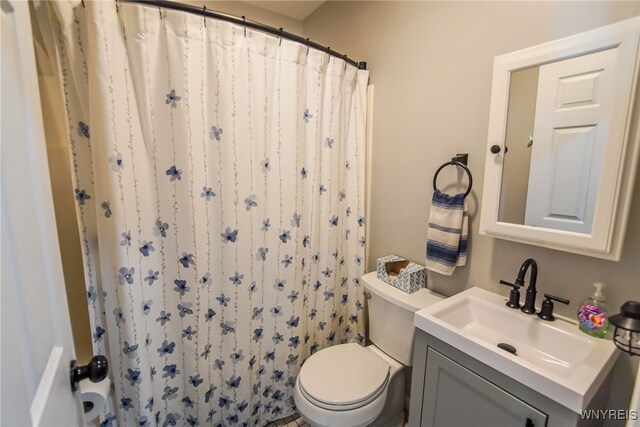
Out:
{"x": 547, "y": 345}
{"x": 552, "y": 358}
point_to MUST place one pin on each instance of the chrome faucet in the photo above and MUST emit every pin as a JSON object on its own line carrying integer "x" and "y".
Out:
{"x": 529, "y": 306}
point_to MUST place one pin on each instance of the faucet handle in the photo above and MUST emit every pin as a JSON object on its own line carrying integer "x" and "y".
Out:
{"x": 513, "y": 285}
{"x": 514, "y": 294}
{"x": 558, "y": 299}
{"x": 546, "y": 312}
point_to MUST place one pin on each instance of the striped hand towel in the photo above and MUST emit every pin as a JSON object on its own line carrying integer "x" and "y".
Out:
{"x": 448, "y": 233}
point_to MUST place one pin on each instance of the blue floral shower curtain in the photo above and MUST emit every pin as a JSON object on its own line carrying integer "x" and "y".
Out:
{"x": 219, "y": 182}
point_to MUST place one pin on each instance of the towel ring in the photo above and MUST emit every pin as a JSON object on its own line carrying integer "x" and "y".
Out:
{"x": 454, "y": 162}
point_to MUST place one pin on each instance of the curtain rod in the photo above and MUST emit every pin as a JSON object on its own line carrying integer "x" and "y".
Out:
{"x": 278, "y": 32}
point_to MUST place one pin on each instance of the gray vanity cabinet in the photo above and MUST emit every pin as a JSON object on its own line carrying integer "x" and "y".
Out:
{"x": 455, "y": 396}
{"x": 451, "y": 388}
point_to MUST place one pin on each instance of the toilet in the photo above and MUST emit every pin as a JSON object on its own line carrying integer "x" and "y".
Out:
{"x": 348, "y": 385}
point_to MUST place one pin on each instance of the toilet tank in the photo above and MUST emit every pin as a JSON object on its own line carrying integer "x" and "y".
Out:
{"x": 391, "y": 314}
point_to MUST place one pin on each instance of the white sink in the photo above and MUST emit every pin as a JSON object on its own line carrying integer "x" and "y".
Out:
{"x": 553, "y": 358}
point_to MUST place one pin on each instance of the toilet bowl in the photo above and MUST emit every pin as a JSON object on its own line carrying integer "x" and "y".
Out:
{"x": 348, "y": 385}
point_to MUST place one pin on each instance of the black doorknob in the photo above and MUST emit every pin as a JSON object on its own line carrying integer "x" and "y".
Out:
{"x": 96, "y": 370}
{"x": 495, "y": 149}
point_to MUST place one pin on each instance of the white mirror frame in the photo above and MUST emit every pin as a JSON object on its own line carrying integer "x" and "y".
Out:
{"x": 620, "y": 160}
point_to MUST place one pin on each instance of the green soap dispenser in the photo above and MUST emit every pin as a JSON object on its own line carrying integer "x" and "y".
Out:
{"x": 593, "y": 316}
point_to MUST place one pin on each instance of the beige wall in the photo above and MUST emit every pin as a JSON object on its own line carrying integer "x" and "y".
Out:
{"x": 252, "y": 13}
{"x": 431, "y": 63}
{"x": 64, "y": 205}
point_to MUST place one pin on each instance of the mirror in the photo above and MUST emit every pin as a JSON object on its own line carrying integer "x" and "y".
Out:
{"x": 559, "y": 168}
{"x": 554, "y": 140}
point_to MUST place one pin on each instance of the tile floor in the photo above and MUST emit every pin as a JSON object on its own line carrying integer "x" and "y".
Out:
{"x": 296, "y": 421}
{"x": 293, "y": 421}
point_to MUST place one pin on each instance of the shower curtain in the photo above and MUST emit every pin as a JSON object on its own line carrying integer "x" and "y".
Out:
{"x": 219, "y": 181}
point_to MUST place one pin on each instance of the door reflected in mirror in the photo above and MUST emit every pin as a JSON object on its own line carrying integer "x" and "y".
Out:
{"x": 554, "y": 142}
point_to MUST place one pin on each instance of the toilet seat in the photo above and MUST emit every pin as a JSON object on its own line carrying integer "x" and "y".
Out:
{"x": 343, "y": 377}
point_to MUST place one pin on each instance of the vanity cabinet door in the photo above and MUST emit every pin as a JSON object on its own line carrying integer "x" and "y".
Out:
{"x": 455, "y": 396}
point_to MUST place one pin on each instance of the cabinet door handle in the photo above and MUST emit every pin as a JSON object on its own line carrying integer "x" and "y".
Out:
{"x": 529, "y": 423}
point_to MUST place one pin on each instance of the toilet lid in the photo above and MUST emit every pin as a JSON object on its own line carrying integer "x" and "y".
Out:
{"x": 343, "y": 375}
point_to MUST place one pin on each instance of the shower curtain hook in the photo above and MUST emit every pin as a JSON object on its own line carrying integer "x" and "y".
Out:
{"x": 307, "y": 47}
{"x": 159, "y": 10}
{"x": 244, "y": 25}
{"x": 345, "y": 63}
{"x": 83, "y": 5}
{"x": 204, "y": 15}
{"x": 280, "y": 44}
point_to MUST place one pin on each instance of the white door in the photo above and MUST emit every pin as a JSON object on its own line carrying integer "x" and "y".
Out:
{"x": 574, "y": 99}
{"x": 37, "y": 345}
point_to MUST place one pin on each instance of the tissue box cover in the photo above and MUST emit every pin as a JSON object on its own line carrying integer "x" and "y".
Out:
{"x": 402, "y": 274}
